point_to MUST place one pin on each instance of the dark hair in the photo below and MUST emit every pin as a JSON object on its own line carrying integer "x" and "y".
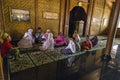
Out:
{"x": 39, "y": 27}
{"x": 72, "y": 37}
{"x": 88, "y": 36}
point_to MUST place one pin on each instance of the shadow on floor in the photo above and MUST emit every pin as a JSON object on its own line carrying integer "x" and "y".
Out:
{"x": 95, "y": 75}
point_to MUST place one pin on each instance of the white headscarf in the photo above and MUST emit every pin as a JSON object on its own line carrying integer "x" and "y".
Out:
{"x": 71, "y": 46}
{"x": 30, "y": 31}
{"x": 49, "y": 43}
{"x": 28, "y": 35}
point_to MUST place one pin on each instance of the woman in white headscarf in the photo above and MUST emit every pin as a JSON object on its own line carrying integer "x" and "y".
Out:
{"x": 45, "y": 36}
{"x": 28, "y": 35}
{"x": 27, "y": 40}
{"x": 70, "y": 49}
{"x": 49, "y": 43}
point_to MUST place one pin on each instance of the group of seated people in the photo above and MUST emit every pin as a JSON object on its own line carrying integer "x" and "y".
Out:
{"x": 72, "y": 43}
{"x": 47, "y": 40}
{"x": 75, "y": 44}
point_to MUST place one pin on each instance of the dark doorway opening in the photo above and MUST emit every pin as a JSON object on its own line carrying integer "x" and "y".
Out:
{"x": 77, "y": 14}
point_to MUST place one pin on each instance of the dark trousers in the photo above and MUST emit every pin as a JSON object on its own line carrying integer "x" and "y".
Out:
{"x": 5, "y": 68}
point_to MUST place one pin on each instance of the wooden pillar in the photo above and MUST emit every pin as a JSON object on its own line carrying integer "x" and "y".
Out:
{"x": 113, "y": 26}
{"x": 1, "y": 69}
{"x": 89, "y": 16}
{"x": 2, "y": 29}
{"x": 62, "y": 16}
{"x": 67, "y": 12}
{"x": 36, "y": 14}
{"x": 101, "y": 21}
{"x": 2, "y": 17}
{"x": 92, "y": 3}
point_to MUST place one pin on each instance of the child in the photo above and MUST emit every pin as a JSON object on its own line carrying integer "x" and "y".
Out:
{"x": 87, "y": 44}
{"x": 60, "y": 40}
{"x": 7, "y": 48}
{"x": 94, "y": 40}
{"x": 77, "y": 40}
{"x": 76, "y": 36}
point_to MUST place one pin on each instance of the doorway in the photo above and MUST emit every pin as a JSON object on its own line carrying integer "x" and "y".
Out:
{"x": 77, "y": 20}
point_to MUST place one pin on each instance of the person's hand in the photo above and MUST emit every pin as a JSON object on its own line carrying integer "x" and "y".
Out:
{"x": 17, "y": 47}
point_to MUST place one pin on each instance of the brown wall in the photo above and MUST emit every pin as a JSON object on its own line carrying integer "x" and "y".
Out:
{"x": 52, "y": 6}
{"x": 100, "y": 17}
{"x": 17, "y": 29}
{"x": 38, "y": 7}
{"x": 74, "y": 3}
{"x": 1, "y": 18}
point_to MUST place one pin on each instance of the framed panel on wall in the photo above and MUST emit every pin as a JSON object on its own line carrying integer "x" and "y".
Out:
{"x": 50, "y": 15}
{"x": 19, "y": 15}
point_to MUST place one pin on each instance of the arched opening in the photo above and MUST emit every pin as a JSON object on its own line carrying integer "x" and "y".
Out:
{"x": 77, "y": 21}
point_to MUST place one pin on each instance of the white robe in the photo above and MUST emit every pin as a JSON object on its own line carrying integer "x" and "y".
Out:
{"x": 49, "y": 43}
{"x": 27, "y": 40}
{"x": 72, "y": 47}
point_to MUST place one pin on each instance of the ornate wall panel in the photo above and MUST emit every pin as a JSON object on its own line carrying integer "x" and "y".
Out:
{"x": 17, "y": 29}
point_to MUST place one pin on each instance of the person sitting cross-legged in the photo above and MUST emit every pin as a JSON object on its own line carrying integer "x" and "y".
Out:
{"x": 86, "y": 45}
{"x": 60, "y": 40}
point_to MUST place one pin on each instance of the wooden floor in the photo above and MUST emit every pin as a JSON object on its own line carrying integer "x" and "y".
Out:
{"x": 95, "y": 75}
{"x": 92, "y": 75}
{"x": 111, "y": 74}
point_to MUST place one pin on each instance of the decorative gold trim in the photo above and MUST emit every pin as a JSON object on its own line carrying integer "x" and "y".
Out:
{"x": 50, "y": 15}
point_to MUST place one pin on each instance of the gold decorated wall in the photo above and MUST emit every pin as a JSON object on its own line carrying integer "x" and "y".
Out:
{"x": 1, "y": 19}
{"x": 74, "y": 3}
{"x": 17, "y": 29}
{"x": 37, "y": 8}
{"x": 100, "y": 17}
{"x": 50, "y": 6}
